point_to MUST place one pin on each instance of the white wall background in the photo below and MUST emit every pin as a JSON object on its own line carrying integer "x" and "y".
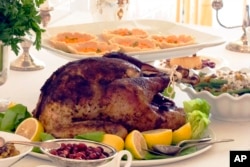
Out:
{"x": 230, "y": 15}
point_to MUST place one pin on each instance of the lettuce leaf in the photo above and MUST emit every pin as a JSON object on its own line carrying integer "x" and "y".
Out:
{"x": 12, "y": 117}
{"x": 199, "y": 123}
{"x": 44, "y": 137}
{"x": 197, "y": 104}
{"x": 94, "y": 136}
{"x": 198, "y": 112}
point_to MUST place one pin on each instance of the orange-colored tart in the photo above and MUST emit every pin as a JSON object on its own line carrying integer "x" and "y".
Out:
{"x": 124, "y": 32}
{"x": 169, "y": 41}
{"x": 93, "y": 48}
{"x": 189, "y": 62}
{"x": 62, "y": 40}
{"x": 133, "y": 44}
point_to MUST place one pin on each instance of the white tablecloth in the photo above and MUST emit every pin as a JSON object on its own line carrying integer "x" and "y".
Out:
{"x": 24, "y": 87}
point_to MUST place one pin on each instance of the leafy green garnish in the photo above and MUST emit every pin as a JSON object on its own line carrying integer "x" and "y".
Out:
{"x": 197, "y": 104}
{"x": 169, "y": 92}
{"x": 12, "y": 117}
{"x": 46, "y": 136}
{"x": 18, "y": 17}
{"x": 199, "y": 123}
{"x": 150, "y": 156}
{"x": 37, "y": 150}
{"x": 94, "y": 136}
{"x": 188, "y": 151}
{"x": 43, "y": 137}
{"x": 198, "y": 111}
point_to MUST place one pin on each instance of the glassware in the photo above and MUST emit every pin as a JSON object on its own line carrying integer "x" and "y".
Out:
{"x": 4, "y": 64}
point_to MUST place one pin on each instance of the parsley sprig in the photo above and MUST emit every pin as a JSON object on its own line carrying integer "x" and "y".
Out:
{"x": 17, "y": 19}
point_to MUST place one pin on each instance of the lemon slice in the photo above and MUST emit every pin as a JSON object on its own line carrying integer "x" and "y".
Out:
{"x": 30, "y": 128}
{"x": 183, "y": 133}
{"x": 136, "y": 144}
{"x": 158, "y": 136}
{"x": 11, "y": 104}
{"x": 113, "y": 140}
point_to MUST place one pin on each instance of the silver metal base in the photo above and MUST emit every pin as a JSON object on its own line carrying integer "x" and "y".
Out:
{"x": 26, "y": 63}
{"x": 238, "y": 46}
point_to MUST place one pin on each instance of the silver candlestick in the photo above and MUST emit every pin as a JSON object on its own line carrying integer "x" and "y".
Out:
{"x": 25, "y": 61}
{"x": 240, "y": 45}
{"x": 45, "y": 15}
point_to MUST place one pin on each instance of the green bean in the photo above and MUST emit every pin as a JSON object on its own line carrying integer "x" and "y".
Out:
{"x": 216, "y": 85}
{"x": 240, "y": 91}
{"x": 217, "y": 82}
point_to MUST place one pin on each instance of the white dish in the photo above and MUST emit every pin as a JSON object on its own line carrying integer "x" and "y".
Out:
{"x": 161, "y": 64}
{"x": 203, "y": 40}
{"x": 224, "y": 107}
{"x": 24, "y": 150}
{"x": 143, "y": 163}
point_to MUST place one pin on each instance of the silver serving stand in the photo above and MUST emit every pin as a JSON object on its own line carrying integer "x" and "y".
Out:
{"x": 241, "y": 45}
{"x": 26, "y": 61}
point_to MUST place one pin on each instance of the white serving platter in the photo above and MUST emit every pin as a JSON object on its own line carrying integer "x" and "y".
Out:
{"x": 218, "y": 60}
{"x": 203, "y": 39}
{"x": 154, "y": 162}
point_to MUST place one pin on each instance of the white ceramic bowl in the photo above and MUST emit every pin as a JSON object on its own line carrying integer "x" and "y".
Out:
{"x": 225, "y": 106}
{"x": 24, "y": 150}
{"x": 65, "y": 162}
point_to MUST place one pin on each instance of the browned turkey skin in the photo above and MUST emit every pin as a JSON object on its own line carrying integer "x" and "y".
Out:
{"x": 114, "y": 93}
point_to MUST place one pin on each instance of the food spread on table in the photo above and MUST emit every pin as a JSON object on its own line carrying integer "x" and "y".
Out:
{"x": 8, "y": 150}
{"x": 195, "y": 62}
{"x": 169, "y": 41}
{"x": 197, "y": 111}
{"x": 234, "y": 82}
{"x": 79, "y": 151}
{"x": 123, "y": 105}
{"x": 127, "y": 40}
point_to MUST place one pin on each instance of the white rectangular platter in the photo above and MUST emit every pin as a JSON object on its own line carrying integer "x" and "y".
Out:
{"x": 203, "y": 39}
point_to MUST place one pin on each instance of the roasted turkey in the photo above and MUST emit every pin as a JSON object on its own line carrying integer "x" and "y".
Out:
{"x": 114, "y": 93}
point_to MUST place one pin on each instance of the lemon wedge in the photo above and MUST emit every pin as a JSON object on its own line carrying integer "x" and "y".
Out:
{"x": 11, "y": 104}
{"x": 114, "y": 141}
{"x": 31, "y": 128}
{"x": 136, "y": 144}
{"x": 158, "y": 136}
{"x": 182, "y": 133}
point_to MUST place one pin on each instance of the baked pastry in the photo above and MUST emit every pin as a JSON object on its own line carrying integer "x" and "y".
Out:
{"x": 189, "y": 62}
{"x": 169, "y": 41}
{"x": 124, "y": 32}
{"x": 62, "y": 40}
{"x": 93, "y": 48}
{"x": 134, "y": 44}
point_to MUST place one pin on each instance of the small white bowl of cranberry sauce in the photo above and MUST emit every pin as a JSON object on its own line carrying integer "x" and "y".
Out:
{"x": 83, "y": 153}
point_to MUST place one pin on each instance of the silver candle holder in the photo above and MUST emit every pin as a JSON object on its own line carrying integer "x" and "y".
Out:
{"x": 241, "y": 45}
{"x": 26, "y": 61}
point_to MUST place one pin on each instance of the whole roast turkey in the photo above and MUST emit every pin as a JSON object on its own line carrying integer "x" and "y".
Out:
{"x": 114, "y": 93}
